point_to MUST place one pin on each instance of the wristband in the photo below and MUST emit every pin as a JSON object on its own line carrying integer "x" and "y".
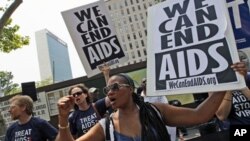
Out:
{"x": 63, "y": 127}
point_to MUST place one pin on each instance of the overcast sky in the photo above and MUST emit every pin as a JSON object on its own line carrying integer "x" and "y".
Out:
{"x": 34, "y": 15}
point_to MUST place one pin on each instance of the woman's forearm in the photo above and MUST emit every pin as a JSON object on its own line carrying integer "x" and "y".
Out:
{"x": 64, "y": 133}
{"x": 225, "y": 106}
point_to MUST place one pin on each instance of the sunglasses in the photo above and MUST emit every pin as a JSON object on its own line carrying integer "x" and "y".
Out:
{"x": 114, "y": 87}
{"x": 77, "y": 94}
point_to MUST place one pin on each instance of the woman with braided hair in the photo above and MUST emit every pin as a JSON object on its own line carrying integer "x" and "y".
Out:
{"x": 134, "y": 120}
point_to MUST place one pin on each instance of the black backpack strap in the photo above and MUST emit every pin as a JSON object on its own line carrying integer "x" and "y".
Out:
{"x": 107, "y": 123}
{"x": 97, "y": 113}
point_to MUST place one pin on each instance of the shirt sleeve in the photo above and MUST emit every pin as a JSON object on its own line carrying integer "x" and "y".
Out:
{"x": 6, "y": 138}
{"x": 72, "y": 127}
{"x": 101, "y": 107}
{"x": 49, "y": 131}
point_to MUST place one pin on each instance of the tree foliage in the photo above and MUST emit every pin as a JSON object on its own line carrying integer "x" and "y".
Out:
{"x": 8, "y": 11}
{"x": 6, "y": 84}
{"x": 44, "y": 82}
{"x": 9, "y": 38}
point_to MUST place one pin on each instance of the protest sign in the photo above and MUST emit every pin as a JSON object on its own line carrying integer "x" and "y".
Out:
{"x": 240, "y": 18}
{"x": 94, "y": 36}
{"x": 190, "y": 48}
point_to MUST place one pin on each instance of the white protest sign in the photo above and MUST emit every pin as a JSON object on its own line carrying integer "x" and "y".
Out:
{"x": 240, "y": 18}
{"x": 190, "y": 48}
{"x": 41, "y": 107}
{"x": 94, "y": 36}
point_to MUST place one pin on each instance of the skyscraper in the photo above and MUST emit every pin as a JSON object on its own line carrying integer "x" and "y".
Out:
{"x": 53, "y": 57}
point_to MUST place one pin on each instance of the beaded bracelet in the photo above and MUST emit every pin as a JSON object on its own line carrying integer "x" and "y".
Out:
{"x": 63, "y": 127}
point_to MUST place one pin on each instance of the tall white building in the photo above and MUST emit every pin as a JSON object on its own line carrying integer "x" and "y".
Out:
{"x": 130, "y": 19}
{"x": 53, "y": 57}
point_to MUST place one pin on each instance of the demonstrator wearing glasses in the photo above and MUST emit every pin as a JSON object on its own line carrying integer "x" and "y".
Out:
{"x": 86, "y": 114}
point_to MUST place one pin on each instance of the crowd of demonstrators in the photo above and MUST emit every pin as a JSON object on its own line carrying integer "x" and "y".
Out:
{"x": 134, "y": 119}
{"x": 235, "y": 107}
{"x": 159, "y": 99}
{"x": 27, "y": 127}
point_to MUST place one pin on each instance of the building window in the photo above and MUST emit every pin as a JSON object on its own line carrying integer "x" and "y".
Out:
{"x": 126, "y": 3}
{"x": 131, "y": 46}
{"x": 130, "y": 19}
{"x": 128, "y": 11}
{"x": 140, "y": 34}
{"x": 133, "y": 55}
{"x": 145, "y": 51}
{"x": 143, "y": 24}
{"x": 136, "y": 19}
{"x": 138, "y": 52}
{"x": 145, "y": 6}
{"x": 132, "y": 28}
{"x": 128, "y": 36}
{"x": 141, "y": 15}
{"x": 133, "y": 8}
{"x": 134, "y": 36}
{"x": 142, "y": 43}
{"x": 138, "y": 26}
{"x": 139, "y": 7}
{"x": 136, "y": 44}
{"x": 131, "y": 2}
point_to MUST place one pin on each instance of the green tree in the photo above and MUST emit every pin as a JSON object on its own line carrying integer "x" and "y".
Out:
{"x": 9, "y": 38}
{"x": 2, "y": 125}
{"x": 44, "y": 82}
{"x": 8, "y": 10}
{"x": 6, "y": 84}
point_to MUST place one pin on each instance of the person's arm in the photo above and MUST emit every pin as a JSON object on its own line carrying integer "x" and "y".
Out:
{"x": 102, "y": 105}
{"x": 64, "y": 104}
{"x": 95, "y": 133}
{"x": 246, "y": 92}
{"x": 225, "y": 107}
{"x": 242, "y": 69}
{"x": 105, "y": 70}
{"x": 181, "y": 116}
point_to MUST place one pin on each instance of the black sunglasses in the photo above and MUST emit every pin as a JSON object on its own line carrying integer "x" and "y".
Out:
{"x": 114, "y": 87}
{"x": 76, "y": 94}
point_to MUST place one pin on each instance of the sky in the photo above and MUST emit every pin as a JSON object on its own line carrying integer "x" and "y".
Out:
{"x": 32, "y": 16}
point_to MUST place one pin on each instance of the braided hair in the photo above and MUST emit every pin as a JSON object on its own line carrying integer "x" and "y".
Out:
{"x": 153, "y": 126}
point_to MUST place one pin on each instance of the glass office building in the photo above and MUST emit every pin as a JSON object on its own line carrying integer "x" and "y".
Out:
{"x": 53, "y": 57}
